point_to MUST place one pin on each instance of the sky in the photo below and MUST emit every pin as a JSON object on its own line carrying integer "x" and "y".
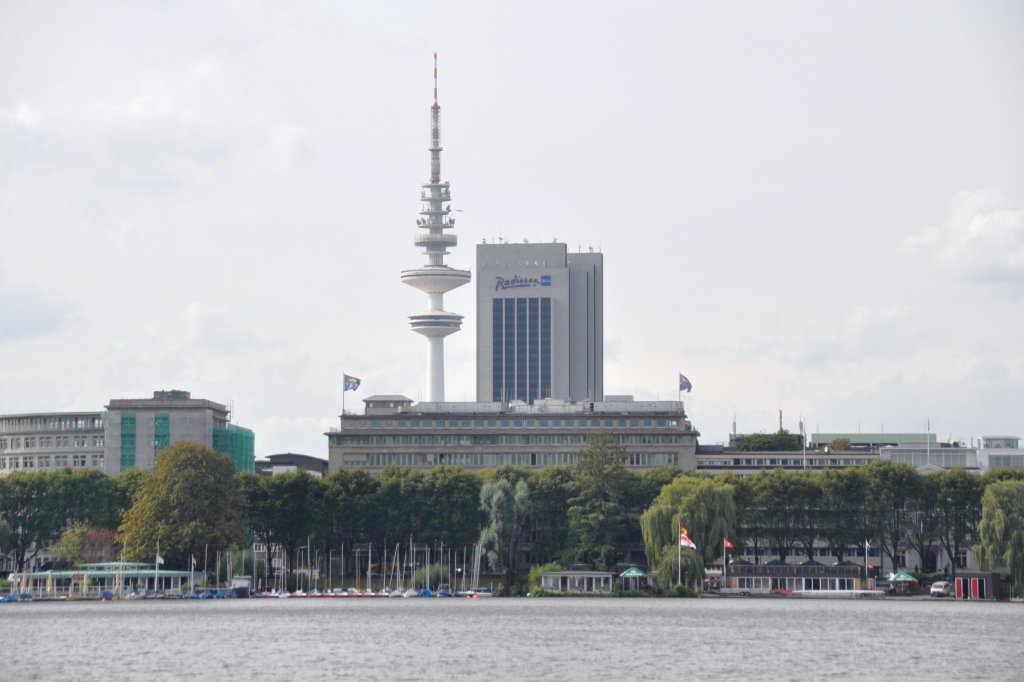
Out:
{"x": 809, "y": 207}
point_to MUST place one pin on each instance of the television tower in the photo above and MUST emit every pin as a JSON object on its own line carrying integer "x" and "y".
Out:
{"x": 435, "y": 279}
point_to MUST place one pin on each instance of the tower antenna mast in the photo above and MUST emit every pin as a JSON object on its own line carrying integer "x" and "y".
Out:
{"x": 435, "y": 279}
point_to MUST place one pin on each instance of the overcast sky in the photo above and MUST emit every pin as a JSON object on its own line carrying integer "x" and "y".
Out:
{"x": 811, "y": 206}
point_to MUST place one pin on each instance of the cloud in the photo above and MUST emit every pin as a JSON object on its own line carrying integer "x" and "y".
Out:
{"x": 21, "y": 141}
{"x": 27, "y": 312}
{"x": 981, "y": 239}
{"x": 208, "y": 328}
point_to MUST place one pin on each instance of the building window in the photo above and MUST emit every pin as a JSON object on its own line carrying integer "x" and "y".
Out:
{"x": 127, "y": 441}
{"x": 161, "y": 431}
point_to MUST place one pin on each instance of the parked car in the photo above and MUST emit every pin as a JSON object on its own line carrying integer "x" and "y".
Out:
{"x": 940, "y": 589}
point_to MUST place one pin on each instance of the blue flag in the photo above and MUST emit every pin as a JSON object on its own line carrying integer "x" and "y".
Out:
{"x": 351, "y": 383}
{"x": 684, "y": 383}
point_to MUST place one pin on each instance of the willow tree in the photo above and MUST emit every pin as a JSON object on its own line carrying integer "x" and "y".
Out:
{"x": 506, "y": 508}
{"x": 706, "y": 509}
{"x": 1001, "y": 530}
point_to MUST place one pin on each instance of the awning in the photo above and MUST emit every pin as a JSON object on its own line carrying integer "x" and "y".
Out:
{"x": 633, "y": 572}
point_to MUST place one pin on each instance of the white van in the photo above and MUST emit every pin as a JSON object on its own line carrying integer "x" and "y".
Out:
{"x": 940, "y": 589}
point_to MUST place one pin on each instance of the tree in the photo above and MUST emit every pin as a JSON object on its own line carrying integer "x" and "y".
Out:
{"x": 295, "y": 502}
{"x": 599, "y": 517}
{"x": 842, "y": 522}
{"x": 190, "y": 500}
{"x": 1001, "y": 530}
{"x": 351, "y": 505}
{"x": 839, "y": 445}
{"x": 550, "y": 490}
{"x": 82, "y": 543}
{"x": 256, "y": 511}
{"x": 705, "y": 507}
{"x": 958, "y": 505}
{"x": 451, "y": 507}
{"x": 777, "y": 499}
{"x": 506, "y": 508}
{"x": 782, "y": 441}
{"x": 5, "y": 537}
{"x": 28, "y": 504}
{"x": 87, "y": 496}
{"x": 750, "y": 528}
{"x": 403, "y": 507}
{"x": 890, "y": 486}
{"x": 923, "y": 521}
{"x": 808, "y": 497}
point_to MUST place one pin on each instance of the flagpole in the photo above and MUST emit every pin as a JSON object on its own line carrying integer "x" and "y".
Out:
{"x": 865, "y": 563}
{"x": 156, "y": 574}
{"x": 679, "y": 560}
{"x": 725, "y": 564}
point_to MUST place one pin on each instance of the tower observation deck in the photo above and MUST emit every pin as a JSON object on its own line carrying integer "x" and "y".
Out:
{"x": 434, "y": 278}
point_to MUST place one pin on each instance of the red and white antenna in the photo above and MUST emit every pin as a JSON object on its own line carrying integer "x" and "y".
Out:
{"x": 435, "y": 278}
{"x": 435, "y": 133}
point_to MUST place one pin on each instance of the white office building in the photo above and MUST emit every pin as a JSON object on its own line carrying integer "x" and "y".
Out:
{"x": 540, "y": 323}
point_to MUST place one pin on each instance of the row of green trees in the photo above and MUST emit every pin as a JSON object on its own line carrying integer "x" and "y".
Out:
{"x": 891, "y": 505}
{"x": 37, "y": 508}
{"x": 596, "y": 512}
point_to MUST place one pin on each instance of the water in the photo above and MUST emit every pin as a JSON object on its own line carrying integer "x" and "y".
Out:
{"x": 513, "y": 639}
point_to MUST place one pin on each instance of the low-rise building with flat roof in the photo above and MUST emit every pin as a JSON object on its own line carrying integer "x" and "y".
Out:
{"x": 287, "y": 462}
{"x": 49, "y": 441}
{"x": 394, "y": 431}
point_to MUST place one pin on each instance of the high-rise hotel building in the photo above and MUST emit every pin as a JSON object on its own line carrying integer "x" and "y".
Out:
{"x": 540, "y": 324}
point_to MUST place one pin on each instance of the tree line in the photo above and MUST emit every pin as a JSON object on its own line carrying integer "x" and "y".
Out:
{"x": 596, "y": 512}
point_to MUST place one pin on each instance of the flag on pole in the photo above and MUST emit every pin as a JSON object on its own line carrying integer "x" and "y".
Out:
{"x": 684, "y": 383}
{"x": 351, "y": 383}
{"x": 867, "y": 548}
{"x": 728, "y": 545}
{"x": 684, "y": 539}
{"x": 159, "y": 559}
{"x": 193, "y": 562}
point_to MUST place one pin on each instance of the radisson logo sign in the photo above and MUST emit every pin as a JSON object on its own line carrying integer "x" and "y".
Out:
{"x": 517, "y": 282}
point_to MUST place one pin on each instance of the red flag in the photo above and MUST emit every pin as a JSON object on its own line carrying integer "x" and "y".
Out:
{"x": 728, "y": 545}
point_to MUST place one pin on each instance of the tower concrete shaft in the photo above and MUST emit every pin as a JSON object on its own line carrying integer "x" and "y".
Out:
{"x": 435, "y": 279}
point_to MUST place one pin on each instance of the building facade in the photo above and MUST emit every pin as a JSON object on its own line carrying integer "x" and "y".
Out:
{"x": 138, "y": 428}
{"x": 51, "y": 441}
{"x": 287, "y": 462}
{"x": 540, "y": 323}
{"x": 475, "y": 436}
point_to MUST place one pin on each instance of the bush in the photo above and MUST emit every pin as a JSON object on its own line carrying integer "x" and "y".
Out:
{"x": 535, "y": 572}
{"x": 681, "y": 590}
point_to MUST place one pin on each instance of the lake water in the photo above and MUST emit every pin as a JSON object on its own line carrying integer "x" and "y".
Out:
{"x": 513, "y": 639}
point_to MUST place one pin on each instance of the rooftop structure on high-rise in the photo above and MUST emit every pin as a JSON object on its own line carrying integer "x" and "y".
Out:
{"x": 540, "y": 323}
{"x": 435, "y": 279}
